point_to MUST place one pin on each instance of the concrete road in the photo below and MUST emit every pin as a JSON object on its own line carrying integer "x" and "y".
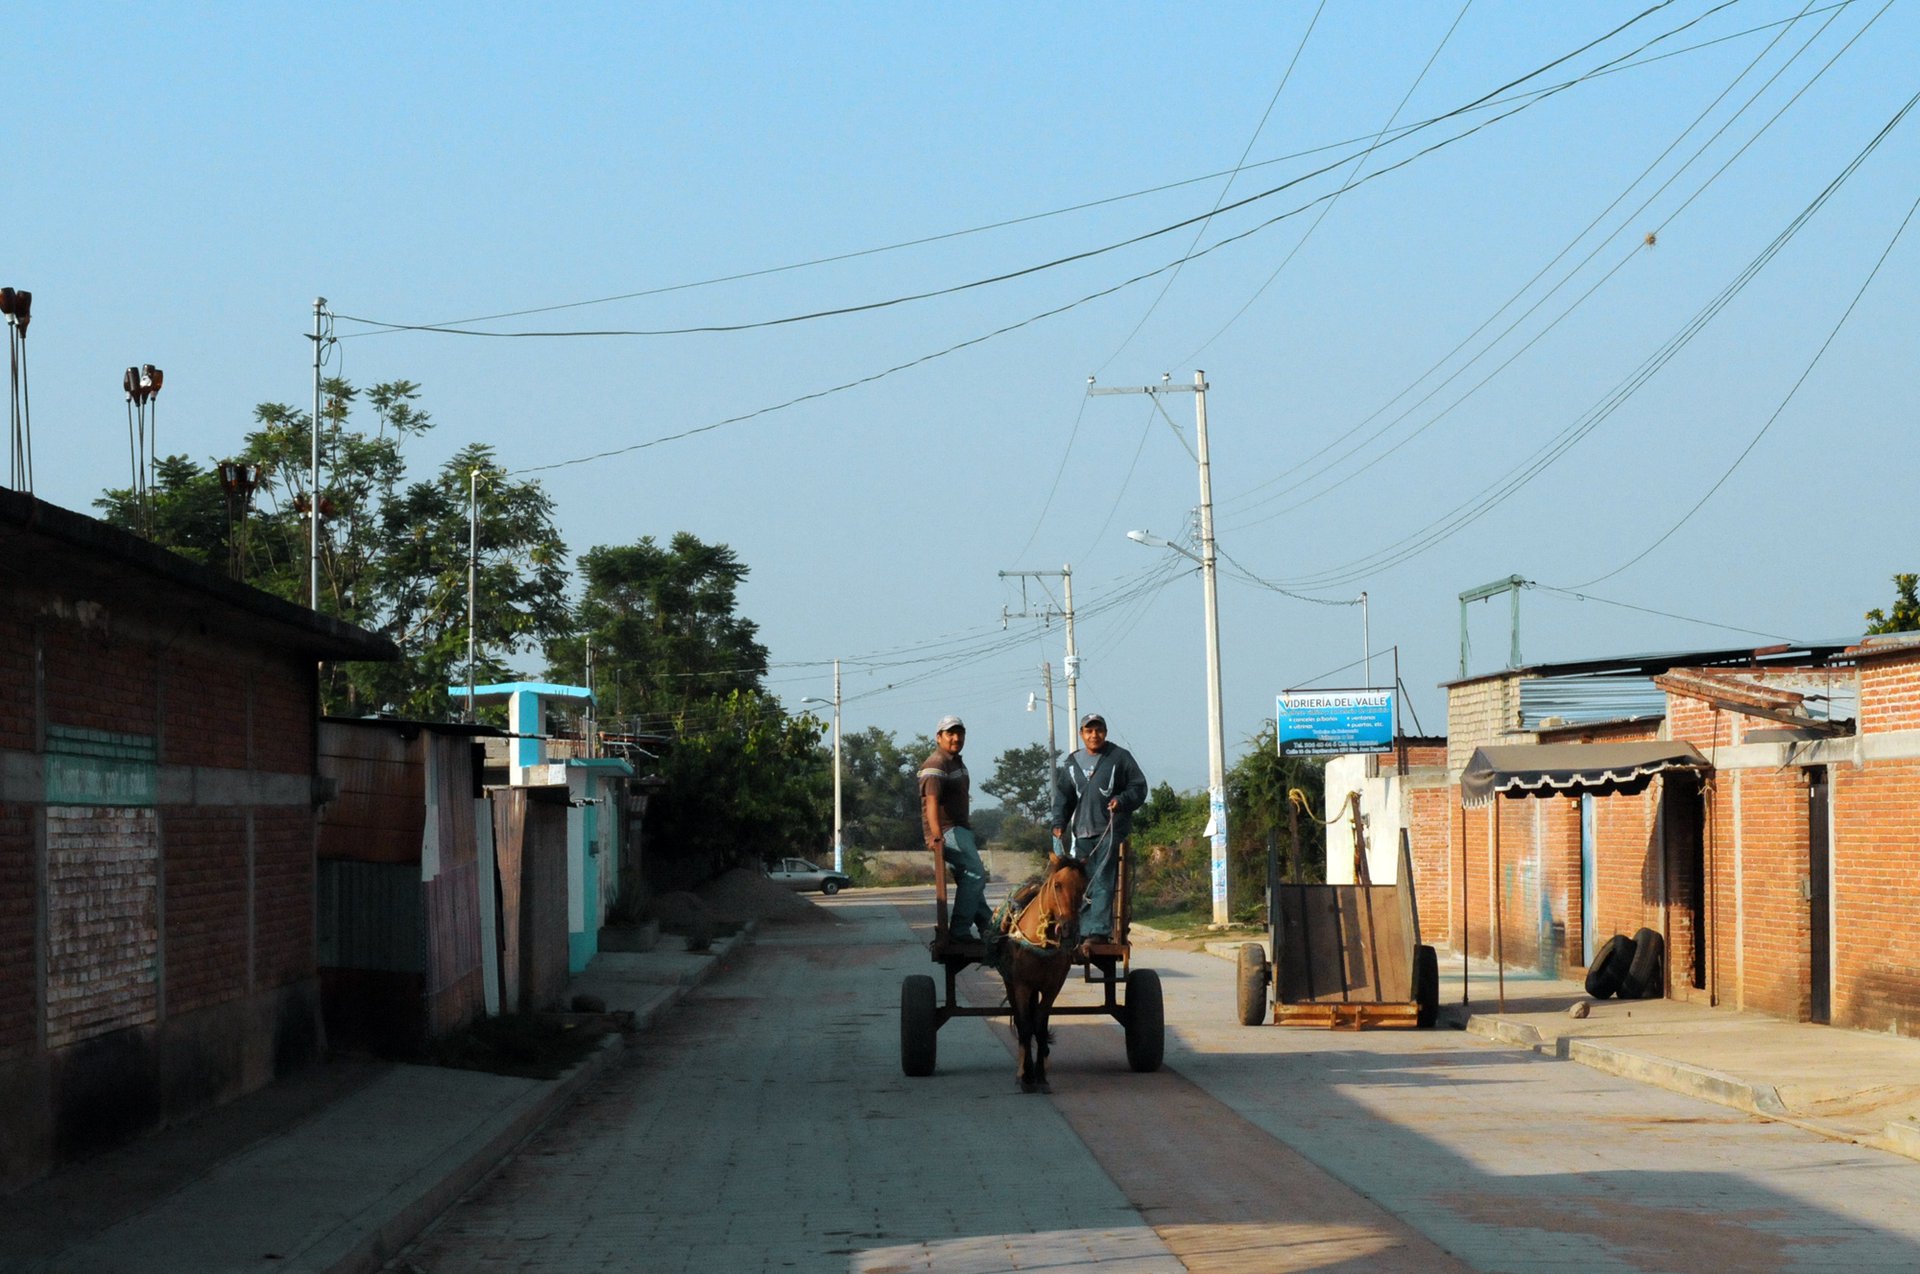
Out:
{"x": 767, "y": 1126}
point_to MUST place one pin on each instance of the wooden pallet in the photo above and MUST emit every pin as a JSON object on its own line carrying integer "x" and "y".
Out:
{"x": 1347, "y": 1016}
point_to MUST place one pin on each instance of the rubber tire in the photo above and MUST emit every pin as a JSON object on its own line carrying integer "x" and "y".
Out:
{"x": 1146, "y": 1021}
{"x": 1426, "y": 986}
{"x": 919, "y": 1029}
{"x": 830, "y": 887}
{"x": 1252, "y": 984}
{"x": 1644, "y": 980}
{"x": 1609, "y": 967}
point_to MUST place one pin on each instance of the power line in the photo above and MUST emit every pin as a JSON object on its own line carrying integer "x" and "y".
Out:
{"x": 1471, "y": 510}
{"x": 1007, "y": 275}
{"x": 1755, "y": 440}
{"x": 1501, "y": 309}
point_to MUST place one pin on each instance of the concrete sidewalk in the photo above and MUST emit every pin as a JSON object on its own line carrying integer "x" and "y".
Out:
{"x": 1843, "y": 1084}
{"x": 328, "y": 1172}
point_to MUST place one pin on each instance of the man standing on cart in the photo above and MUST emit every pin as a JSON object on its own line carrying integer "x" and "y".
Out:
{"x": 1094, "y": 796}
{"x": 944, "y": 798}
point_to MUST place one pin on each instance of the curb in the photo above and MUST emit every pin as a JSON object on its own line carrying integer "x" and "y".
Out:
{"x": 462, "y": 1167}
{"x": 1661, "y": 1072}
{"x": 465, "y": 1165}
{"x": 1679, "y": 1077}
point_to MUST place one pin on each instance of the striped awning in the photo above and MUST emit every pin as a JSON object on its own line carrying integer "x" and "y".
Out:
{"x": 1571, "y": 769}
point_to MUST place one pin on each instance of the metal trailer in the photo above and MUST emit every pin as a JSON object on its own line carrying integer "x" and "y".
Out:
{"x": 1345, "y": 956}
{"x": 1108, "y": 966}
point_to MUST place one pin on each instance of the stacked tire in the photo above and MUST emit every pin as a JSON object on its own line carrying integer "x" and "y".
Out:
{"x": 1631, "y": 968}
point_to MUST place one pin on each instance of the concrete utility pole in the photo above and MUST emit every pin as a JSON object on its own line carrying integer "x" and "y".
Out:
{"x": 1216, "y": 729}
{"x": 1065, "y": 575}
{"x": 313, "y": 489}
{"x": 839, "y": 863}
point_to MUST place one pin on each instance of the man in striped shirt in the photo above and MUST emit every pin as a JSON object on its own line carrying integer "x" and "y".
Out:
{"x": 944, "y": 798}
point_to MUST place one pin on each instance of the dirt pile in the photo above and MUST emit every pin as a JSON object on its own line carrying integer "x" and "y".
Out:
{"x": 743, "y": 894}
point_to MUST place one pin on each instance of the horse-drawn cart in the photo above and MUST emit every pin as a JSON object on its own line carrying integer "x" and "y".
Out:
{"x": 1107, "y": 965}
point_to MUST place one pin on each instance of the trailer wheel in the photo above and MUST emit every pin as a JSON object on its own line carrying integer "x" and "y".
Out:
{"x": 1609, "y": 967}
{"x": 919, "y": 1041}
{"x": 1146, "y": 1021}
{"x": 1252, "y": 984}
{"x": 1426, "y": 985}
{"x": 1643, "y": 980}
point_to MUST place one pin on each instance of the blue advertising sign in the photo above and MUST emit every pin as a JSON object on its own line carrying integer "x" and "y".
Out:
{"x": 1333, "y": 722}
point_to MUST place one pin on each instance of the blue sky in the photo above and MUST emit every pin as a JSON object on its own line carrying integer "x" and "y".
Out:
{"x": 185, "y": 180}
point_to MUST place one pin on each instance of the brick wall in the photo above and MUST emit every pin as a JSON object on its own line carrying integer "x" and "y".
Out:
{"x": 1626, "y": 859}
{"x": 285, "y": 708}
{"x": 206, "y": 873}
{"x": 1876, "y": 896}
{"x": 1429, "y": 822}
{"x": 96, "y": 684}
{"x": 16, "y": 683}
{"x": 1772, "y": 912}
{"x": 18, "y": 928}
{"x": 206, "y": 711}
{"x": 283, "y": 896}
{"x": 1890, "y": 694}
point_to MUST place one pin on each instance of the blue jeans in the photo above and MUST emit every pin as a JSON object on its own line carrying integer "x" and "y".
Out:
{"x": 1102, "y": 857}
{"x": 962, "y": 852}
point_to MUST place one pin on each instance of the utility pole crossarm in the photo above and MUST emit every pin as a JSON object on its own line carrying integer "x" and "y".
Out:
{"x": 1065, "y": 575}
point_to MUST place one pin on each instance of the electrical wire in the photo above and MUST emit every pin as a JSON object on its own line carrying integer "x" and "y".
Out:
{"x": 1471, "y": 510}
{"x": 1074, "y": 304}
{"x": 1359, "y": 164}
{"x": 1648, "y": 610}
{"x": 1242, "y": 497}
{"x": 1012, "y": 274}
{"x": 1762, "y": 432}
{"x": 1238, "y": 166}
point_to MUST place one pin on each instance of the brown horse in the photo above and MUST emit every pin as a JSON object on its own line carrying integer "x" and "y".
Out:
{"x": 1035, "y": 955}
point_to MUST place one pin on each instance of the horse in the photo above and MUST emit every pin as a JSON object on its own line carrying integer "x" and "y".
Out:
{"x": 1036, "y": 951}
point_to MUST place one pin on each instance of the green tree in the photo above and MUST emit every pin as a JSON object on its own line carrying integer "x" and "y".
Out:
{"x": 664, "y": 627}
{"x": 879, "y": 796}
{"x": 1905, "y": 616}
{"x": 416, "y": 575}
{"x": 186, "y": 511}
{"x": 744, "y": 785}
{"x": 393, "y": 554}
{"x": 1021, "y": 781}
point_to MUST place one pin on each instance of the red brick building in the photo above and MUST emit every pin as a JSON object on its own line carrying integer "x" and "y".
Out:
{"x": 157, "y": 794}
{"x": 1779, "y": 868}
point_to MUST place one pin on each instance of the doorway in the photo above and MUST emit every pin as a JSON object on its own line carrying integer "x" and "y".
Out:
{"x": 1684, "y": 855}
{"x": 1819, "y": 894}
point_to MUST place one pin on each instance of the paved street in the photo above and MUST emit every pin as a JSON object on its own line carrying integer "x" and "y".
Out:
{"x": 767, "y": 1126}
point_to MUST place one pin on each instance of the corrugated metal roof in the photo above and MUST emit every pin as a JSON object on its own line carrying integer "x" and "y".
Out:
{"x": 1579, "y": 700}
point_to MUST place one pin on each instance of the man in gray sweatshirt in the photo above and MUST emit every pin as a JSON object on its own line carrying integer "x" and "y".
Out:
{"x": 1095, "y": 793}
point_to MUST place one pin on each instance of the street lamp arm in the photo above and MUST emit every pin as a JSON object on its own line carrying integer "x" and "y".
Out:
{"x": 1151, "y": 540}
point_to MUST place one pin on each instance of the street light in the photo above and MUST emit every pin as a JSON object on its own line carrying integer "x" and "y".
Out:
{"x": 1216, "y": 730}
{"x": 838, "y": 864}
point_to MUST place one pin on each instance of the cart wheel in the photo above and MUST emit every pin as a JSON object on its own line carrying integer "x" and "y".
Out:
{"x": 1252, "y": 984}
{"x": 1426, "y": 986}
{"x": 1146, "y": 1021}
{"x": 918, "y": 1039}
